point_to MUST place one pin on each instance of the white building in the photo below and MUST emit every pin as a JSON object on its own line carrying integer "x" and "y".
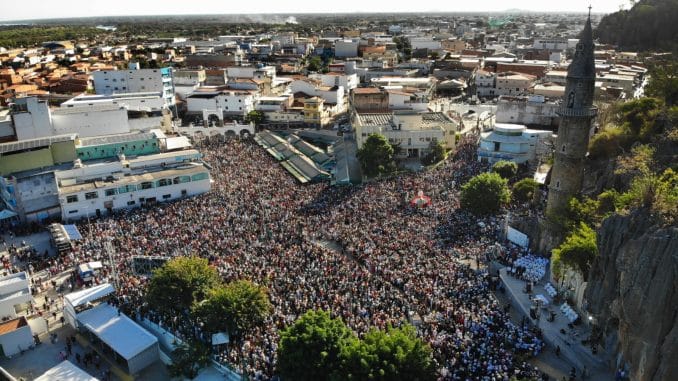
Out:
{"x": 147, "y": 102}
{"x": 15, "y": 294}
{"x": 512, "y": 142}
{"x": 528, "y": 110}
{"x": 109, "y": 82}
{"x": 347, "y": 81}
{"x": 346, "y": 48}
{"x": 251, "y": 72}
{"x": 330, "y": 94}
{"x": 413, "y": 132}
{"x": 485, "y": 84}
{"x": 425, "y": 43}
{"x": 100, "y": 188}
{"x": 230, "y": 102}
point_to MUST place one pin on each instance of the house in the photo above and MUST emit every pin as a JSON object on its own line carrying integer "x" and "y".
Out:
{"x": 485, "y": 84}
{"x": 412, "y": 131}
{"x": 509, "y": 83}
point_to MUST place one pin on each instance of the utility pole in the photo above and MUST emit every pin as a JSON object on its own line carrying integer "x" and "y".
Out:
{"x": 109, "y": 250}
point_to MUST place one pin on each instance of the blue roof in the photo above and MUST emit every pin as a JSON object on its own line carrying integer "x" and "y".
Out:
{"x": 72, "y": 232}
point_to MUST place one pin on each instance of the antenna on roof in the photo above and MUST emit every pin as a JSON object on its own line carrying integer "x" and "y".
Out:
{"x": 590, "y": 11}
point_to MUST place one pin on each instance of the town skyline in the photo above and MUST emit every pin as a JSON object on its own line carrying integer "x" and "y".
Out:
{"x": 80, "y": 8}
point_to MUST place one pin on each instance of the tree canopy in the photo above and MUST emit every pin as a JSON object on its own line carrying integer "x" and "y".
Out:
{"x": 376, "y": 156}
{"x": 309, "y": 349}
{"x": 577, "y": 251}
{"x": 506, "y": 169}
{"x": 436, "y": 153}
{"x": 485, "y": 194}
{"x": 179, "y": 283}
{"x": 524, "y": 190}
{"x": 395, "y": 354}
{"x": 236, "y": 308}
{"x": 648, "y": 25}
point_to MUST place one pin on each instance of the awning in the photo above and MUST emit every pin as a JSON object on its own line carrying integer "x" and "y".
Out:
{"x": 5, "y": 214}
{"x": 72, "y": 232}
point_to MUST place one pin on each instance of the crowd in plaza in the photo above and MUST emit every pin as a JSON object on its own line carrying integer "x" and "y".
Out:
{"x": 363, "y": 252}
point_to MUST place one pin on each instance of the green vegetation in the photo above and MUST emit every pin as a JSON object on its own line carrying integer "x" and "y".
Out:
{"x": 315, "y": 64}
{"x": 318, "y": 347}
{"x": 190, "y": 289}
{"x": 524, "y": 190}
{"x": 506, "y": 169}
{"x": 376, "y": 156}
{"x": 664, "y": 81}
{"x": 485, "y": 194}
{"x": 34, "y": 35}
{"x": 235, "y": 308}
{"x": 310, "y": 348}
{"x": 436, "y": 153}
{"x": 638, "y": 120}
{"x": 395, "y": 354}
{"x": 255, "y": 116}
{"x": 403, "y": 46}
{"x": 188, "y": 359}
{"x": 577, "y": 251}
{"x": 648, "y": 25}
{"x": 180, "y": 283}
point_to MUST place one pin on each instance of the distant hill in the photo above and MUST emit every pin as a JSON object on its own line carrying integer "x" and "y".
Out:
{"x": 648, "y": 25}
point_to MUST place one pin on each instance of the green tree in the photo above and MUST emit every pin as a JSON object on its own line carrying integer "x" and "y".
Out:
{"x": 255, "y": 116}
{"x": 485, "y": 194}
{"x": 376, "y": 156}
{"x": 524, "y": 190}
{"x": 395, "y": 355}
{"x": 436, "y": 153}
{"x": 578, "y": 250}
{"x": 663, "y": 82}
{"x": 188, "y": 359}
{"x": 506, "y": 169}
{"x": 309, "y": 349}
{"x": 236, "y": 308}
{"x": 315, "y": 64}
{"x": 179, "y": 283}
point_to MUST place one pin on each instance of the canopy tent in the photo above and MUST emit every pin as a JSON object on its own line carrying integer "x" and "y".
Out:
{"x": 81, "y": 297}
{"x": 118, "y": 331}
{"x": 420, "y": 200}
{"x": 72, "y": 232}
{"x": 66, "y": 371}
{"x": 5, "y": 214}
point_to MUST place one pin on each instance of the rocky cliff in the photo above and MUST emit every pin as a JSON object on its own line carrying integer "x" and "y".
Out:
{"x": 633, "y": 292}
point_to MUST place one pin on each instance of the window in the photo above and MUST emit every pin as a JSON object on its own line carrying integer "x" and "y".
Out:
{"x": 146, "y": 185}
{"x": 110, "y": 192}
{"x": 166, "y": 196}
{"x": 73, "y": 198}
{"x": 72, "y": 211}
{"x": 558, "y": 184}
{"x": 91, "y": 195}
{"x": 181, "y": 179}
{"x": 130, "y": 203}
{"x": 497, "y": 146}
{"x": 200, "y": 176}
{"x": 164, "y": 182}
{"x": 127, "y": 188}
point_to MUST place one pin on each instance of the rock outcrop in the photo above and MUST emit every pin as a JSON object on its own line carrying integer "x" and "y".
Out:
{"x": 633, "y": 292}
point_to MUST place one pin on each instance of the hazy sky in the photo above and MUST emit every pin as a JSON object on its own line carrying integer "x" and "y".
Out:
{"x": 16, "y": 10}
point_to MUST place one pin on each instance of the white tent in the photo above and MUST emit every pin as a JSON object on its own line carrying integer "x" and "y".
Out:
{"x": 66, "y": 371}
{"x": 81, "y": 297}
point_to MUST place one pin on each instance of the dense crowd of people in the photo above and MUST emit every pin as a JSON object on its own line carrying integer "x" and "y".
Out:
{"x": 363, "y": 252}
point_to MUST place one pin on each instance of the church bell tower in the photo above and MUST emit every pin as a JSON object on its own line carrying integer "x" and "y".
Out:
{"x": 576, "y": 115}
